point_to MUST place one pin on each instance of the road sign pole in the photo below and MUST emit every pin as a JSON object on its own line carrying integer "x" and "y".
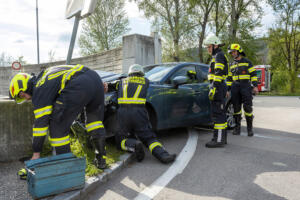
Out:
{"x": 37, "y": 32}
{"x": 73, "y": 38}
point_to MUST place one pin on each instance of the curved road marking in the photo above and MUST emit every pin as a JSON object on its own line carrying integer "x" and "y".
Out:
{"x": 176, "y": 168}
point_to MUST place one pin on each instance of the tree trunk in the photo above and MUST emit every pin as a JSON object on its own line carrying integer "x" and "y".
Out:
{"x": 232, "y": 30}
{"x": 201, "y": 39}
{"x": 293, "y": 77}
{"x": 176, "y": 48}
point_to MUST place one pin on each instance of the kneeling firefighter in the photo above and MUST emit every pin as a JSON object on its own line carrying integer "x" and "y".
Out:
{"x": 58, "y": 95}
{"x": 133, "y": 117}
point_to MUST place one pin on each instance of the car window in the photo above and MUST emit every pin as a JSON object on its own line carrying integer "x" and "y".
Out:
{"x": 189, "y": 72}
{"x": 157, "y": 73}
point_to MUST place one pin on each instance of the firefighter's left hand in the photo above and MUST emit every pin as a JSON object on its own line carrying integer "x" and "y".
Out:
{"x": 255, "y": 90}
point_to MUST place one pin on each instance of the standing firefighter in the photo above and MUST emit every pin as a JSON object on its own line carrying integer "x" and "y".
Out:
{"x": 58, "y": 95}
{"x": 242, "y": 74}
{"x": 218, "y": 71}
{"x": 133, "y": 117}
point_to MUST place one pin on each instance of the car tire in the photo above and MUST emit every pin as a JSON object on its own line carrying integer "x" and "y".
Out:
{"x": 152, "y": 118}
{"x": 229, "y": 115}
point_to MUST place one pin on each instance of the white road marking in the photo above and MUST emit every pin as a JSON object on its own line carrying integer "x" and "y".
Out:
{"x": 176, "y": 168}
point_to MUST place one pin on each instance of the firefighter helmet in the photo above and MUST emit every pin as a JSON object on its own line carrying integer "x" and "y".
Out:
{"x": 236, "y": 47}
{"x": 135, "y": 68}
{"x": 17, "y": 84}
{"x": 212, "y": 39}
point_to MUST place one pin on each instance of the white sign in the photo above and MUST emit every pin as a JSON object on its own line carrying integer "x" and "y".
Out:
{"x": 82, "y": 7}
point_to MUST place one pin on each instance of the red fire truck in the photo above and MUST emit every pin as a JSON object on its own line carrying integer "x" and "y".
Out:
{"x": 264, "y": 77}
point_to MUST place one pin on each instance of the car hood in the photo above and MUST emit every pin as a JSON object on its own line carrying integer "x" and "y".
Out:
{"x": 109, "y": 76}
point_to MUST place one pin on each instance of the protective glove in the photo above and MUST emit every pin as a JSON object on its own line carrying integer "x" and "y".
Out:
{"x": 211, "y": 93}
{"x": 22, "y": 173}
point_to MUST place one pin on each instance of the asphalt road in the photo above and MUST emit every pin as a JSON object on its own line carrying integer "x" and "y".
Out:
{"x": 264, "y": 167}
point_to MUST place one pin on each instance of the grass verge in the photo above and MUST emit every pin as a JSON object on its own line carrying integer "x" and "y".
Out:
{"x": 81, "y": 147}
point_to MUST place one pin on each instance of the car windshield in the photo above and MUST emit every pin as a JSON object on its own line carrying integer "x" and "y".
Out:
{"x": 158, "y": 72}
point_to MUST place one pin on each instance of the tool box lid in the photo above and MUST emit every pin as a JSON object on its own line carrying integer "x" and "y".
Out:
{"x": 32, "y": 163}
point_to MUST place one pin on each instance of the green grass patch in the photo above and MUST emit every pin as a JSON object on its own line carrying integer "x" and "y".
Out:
{"x": 81, "y": 147}
{"x": 276, "y": 93}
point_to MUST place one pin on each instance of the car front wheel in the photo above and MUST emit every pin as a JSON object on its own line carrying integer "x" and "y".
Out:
{"x": 229, "y": 115}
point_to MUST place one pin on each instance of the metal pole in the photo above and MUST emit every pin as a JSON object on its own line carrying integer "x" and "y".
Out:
{"x": 37, "y": 32}
{"x": 74, "y": 32}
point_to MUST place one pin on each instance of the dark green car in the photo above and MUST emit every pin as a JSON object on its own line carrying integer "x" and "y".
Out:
{"x": 175, "y": 99}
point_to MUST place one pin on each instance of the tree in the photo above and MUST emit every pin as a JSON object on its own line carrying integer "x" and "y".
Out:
{"x": 234, "y": 21}
{"x": 103, "y": 29}
{"x": 220, "y": 15}
{"x": 202, "y": 10}
{"x": 284, "y": 39}
{"x": 242, "y": 14}
{"x": 51, "y": 56}
{"x": 173, "y": 21}
{"x": 5, "y": 60}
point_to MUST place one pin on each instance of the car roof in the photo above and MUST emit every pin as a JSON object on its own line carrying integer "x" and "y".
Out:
{"x": 176, "y": 64}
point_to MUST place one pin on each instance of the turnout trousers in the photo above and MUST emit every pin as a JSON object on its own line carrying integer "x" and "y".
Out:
{"x": 241, "y": 93}
{"x": 84, "y": 91}
{"x": 134, "y": 122}
{"x": 219, "y": 114}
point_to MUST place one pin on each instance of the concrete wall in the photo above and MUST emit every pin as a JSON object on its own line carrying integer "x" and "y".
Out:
{"x": 106, "y": 61}
{"x": 140, "y": 49}
{"x": 15, "y": 130}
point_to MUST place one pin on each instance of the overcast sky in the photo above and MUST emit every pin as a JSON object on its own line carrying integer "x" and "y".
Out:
{"x": 18, "y": 28}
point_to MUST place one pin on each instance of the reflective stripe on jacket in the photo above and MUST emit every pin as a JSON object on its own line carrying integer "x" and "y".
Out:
{"x": 242, "y": 70}
{"x": 133, "y": 90}
{"x": 218, "y": 69}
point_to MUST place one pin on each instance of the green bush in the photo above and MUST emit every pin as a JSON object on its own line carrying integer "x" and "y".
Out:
{"x": 281, "y": 84}
{"x": 280, "y": 81}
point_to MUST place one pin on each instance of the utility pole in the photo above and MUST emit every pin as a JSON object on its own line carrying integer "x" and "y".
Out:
{"x": 37, "y": 33}
{"x": 73, "y": 38}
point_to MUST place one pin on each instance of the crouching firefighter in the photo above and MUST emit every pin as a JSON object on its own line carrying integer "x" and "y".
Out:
{"x": 58, "y": 95}
{"x": 218, "y": 71}
{"x": 241, "y": 77}
{"x": 133, "y": 117}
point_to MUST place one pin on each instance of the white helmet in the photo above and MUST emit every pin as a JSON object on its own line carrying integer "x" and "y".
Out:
{"x": 212, "y": 39}
{"x": 135, "y": 68}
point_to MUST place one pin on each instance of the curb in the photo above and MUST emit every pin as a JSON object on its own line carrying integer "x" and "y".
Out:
{"x": 93, "y": 182}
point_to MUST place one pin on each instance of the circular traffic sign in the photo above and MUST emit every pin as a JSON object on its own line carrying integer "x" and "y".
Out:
{"x": 16, "y": 65}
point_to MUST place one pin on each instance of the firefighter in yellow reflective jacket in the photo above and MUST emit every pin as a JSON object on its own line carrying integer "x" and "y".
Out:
{"x": 218, "y": 71}
{"x": 133, "y": 117}
{"x": 58, "y": 95}
{"x": 241, "y": 76}
{"x": 192, "y": 76}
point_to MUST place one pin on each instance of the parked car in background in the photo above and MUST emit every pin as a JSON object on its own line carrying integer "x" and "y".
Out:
{"x": 173, "y": 99}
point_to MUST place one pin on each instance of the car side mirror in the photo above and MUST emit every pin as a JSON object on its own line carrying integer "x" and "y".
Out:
{"x": 179, "y": 80}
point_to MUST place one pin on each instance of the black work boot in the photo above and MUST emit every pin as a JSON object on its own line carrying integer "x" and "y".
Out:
{"x": 100, "y": 159}
{"x": 215, "y": 135}
{"x": 249, "y": 120}
{"x": 162, "y": 155}
{"x": 219, "y": 141}
{"x": 135, "y": 146}
{"x": 237, "y": 128}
